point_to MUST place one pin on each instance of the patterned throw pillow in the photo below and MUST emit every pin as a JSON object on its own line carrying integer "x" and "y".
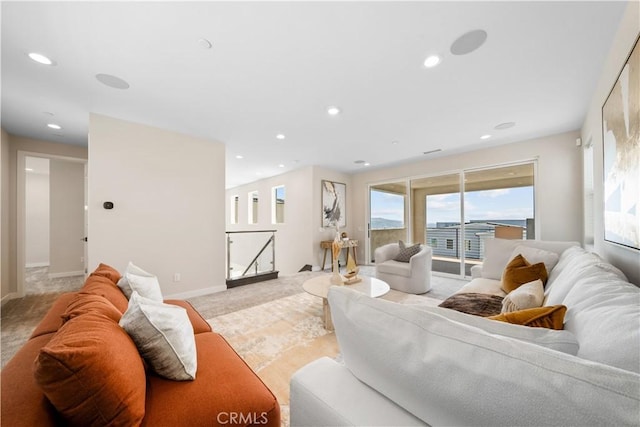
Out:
{"x": 406, "y": 252}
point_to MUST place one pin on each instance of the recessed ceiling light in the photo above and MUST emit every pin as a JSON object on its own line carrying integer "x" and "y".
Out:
{"x": 280, "y": 165}
{"x": 506, "y": 125}
{"x": 28, "y": 169}
{"x": 468, "y": 42}
{"x": 54, "y": 126}
{"x": 485, "y": 136}
{"x": 205, "y": 44}
{"x": 239, "y": 157}
{"x": 41, "y": 59}
{"x": 367, "y": 164}
{"x": 333, "y": 111}
{"x": 112, "y": 81}
{"x": 280, "y": 136}
{"x": 432, "y": 61}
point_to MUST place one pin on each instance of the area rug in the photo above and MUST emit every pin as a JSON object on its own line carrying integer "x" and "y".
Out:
{"x": 278, "y": 338}
{"x": 281, "y": 336}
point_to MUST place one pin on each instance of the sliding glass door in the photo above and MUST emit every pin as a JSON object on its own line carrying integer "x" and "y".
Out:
{"x": 387, "y": 214}
{"x": 436, "y": 214}
{"x": 498, "y": 202}
{"x": 455, "y": 213}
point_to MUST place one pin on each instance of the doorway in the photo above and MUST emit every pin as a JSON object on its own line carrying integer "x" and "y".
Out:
{"x": 51, "y": 224}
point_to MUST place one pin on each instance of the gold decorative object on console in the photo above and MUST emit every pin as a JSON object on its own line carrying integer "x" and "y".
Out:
{"x": 352, "y": 272}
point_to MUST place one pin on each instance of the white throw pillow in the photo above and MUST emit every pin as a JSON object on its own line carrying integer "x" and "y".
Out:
{"x": 164, "y": 336}
{"x": 529, "y": 295}
{"x": 136, "y": 279}
{"x": 535, "y": 255}
{"x": 429, "y": 364}
{"x": 496, "y": 257}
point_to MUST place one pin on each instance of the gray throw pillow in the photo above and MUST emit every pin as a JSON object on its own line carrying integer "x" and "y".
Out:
{"x": 406, "y": 252}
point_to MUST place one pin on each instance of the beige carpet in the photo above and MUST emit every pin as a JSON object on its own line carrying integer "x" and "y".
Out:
{"x": 281, "y": 336}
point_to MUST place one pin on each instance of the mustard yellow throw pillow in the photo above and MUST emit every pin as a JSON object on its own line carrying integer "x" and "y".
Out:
{"x": 551, "y": 317}
{"x": 519, "y": 271}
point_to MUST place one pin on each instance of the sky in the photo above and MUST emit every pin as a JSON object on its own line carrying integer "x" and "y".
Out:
{"x": 507, "y": 203}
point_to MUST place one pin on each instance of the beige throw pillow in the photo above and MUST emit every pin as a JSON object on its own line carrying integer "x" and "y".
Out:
{"x": 529, "y": 295}
{"x": 164, "y": 337}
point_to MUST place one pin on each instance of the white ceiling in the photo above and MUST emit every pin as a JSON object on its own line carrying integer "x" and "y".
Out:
{"x": 276, "y": 66}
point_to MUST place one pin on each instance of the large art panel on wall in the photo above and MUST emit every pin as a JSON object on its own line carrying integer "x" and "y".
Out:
{"x": 334, "y": 204}
{"x": 621, "y": 149}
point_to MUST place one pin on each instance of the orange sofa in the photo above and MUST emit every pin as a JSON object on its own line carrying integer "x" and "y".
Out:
{"x": 125, "y": 391}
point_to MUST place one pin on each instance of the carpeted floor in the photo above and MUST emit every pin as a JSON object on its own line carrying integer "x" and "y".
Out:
{"x": 37, "y": 282}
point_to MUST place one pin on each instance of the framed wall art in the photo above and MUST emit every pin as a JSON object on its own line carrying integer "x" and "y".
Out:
{"x": 334, "y": 204}
{"x": 621, "y": 154}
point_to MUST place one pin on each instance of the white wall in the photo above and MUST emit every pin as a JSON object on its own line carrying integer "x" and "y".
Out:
{"x": 168, "y": 195}
{"x": 627, "y": 260}
{"x": 298, "y": 238}
{"x": 36, "y": 219}
{"x": 558, "y": 189}
{"x": 67, "y": 218}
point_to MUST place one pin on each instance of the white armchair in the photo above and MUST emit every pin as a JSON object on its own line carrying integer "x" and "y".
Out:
{"x": 412, "y": 277}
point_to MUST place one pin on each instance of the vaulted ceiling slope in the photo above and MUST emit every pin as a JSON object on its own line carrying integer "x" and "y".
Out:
{"x": 244, "y": 72}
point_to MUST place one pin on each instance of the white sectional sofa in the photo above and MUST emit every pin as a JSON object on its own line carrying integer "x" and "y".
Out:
{"x": 408, "y": 365}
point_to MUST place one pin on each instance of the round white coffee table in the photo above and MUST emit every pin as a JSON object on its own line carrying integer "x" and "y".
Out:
{"x": 319, "y": 286}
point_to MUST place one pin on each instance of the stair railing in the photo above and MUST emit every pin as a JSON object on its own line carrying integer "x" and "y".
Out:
{"x": 242, "y": 244}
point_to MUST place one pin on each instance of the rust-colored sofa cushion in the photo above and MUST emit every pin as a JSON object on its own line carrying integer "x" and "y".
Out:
{"x": 107, "y": 271}
{"x": 197, "y": 321}
{"x": 103, "y": 286}
{"x": 519, "y": 271}
{"x": 23, "y": 404}
{"x": 225, "y": 385}
{"x": 52, "y": 321}
{"x": 92, "y": 373}
{"x": 90, "y": 303}
{"x": 551, "y": 317}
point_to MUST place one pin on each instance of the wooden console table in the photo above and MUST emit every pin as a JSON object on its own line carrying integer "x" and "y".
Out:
{"x": 346, "y": 244}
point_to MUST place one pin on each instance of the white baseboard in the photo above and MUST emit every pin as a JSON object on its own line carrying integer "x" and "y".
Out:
{"x": 36, "y": 264}
{"x": 8, "y": 297}
{"x": 197, "y": 292}
{"x": 66, "y": 274}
